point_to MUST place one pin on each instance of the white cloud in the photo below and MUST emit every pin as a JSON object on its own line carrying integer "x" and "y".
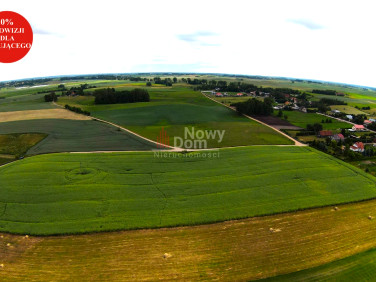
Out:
{"x": 328, "y": 40}
{"x": 306, "y": 23}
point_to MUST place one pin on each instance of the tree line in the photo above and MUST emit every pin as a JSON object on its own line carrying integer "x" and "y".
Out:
{"x": 255, "y": 107}
{"x": 110, "y": 96}
{"x": 325, "y": 92}
{"x": 77, "y": 110}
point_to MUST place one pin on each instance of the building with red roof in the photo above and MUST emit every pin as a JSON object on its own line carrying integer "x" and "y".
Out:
{"x": 357, "y": 147}
{"x": 338, "y": 137}
{"x": 358, "y": 127}
{"x": 325, "y": 133}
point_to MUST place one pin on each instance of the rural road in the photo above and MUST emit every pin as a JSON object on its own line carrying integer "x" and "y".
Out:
{"x": 297, "y": 143}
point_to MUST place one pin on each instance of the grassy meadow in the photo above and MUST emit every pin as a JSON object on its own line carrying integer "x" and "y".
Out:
{"x": 75, "y": 193}
{"x": 179, "y": 107}
{"x": 301, "y": 119}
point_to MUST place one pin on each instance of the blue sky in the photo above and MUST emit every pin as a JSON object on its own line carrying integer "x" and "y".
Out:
{"x": 325, "y": 40}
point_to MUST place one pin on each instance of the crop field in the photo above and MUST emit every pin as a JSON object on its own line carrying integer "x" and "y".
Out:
{"x": 41, "y": 114}
{"x": 348, "y": 110}
{"x": 302, "y": 119}
{"x": 13, "y": 146}
{"x": 177, "y": 108}
{"x": 359, "y": 267}
{"x": 18, "y": 144}
{"x": 240, "y": 250}
{"x": 75, "y": 193}
{"x": 282, "y": 213}
{"x": 76, "y": 136}
{"x": 24, "y": 102}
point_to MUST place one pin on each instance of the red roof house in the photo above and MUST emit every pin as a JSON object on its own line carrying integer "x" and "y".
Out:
{"x": 357, "y": 147}
{"x": 358, "y": 127}
{"x": 325, "y": 133}
{"x": 338, "y": 137}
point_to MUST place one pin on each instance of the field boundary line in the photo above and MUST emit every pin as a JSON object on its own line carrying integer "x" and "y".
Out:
{"x": 296, "y": 142}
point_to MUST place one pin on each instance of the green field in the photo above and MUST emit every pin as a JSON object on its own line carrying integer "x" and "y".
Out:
{"x": 348, "y": 110}
{"x": 73, "y": 193}
{"x": 18, "y": 144}
{"x": 302, "y": 119}
{"x": 177, "y": 108}
{"x": 24, "y": 102}
{"x": 76, "y": 136}
{"x": 360, "y": 267}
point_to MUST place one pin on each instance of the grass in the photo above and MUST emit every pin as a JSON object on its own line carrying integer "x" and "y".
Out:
{"x": 240, "y": 250}
{"x": 179, "y": 107}
{"x": 75, "y": 193}
{"x": 348, "y": 110}
{"x": 24, "y": 102}
{"x": 302, "y": 119}
{"x": 76, "y": 136}
{"x": 360, "y": 267}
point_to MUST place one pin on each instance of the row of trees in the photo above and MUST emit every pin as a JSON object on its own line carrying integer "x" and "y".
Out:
{"x": 77, "y": 110}
{"x": 255, "y": 107}
{"x": 110, "y": 96}
{"x": 331, "y": 102}
{"x": 325, "y": 92}
{"x": 166, "y": 81}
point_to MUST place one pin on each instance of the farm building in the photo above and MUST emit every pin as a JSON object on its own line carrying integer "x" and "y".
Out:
{"x": 358, "y": 127}
{"x": 367, "y": 122}
{"x": 338, "y": 137}
{"x": 325, "y": 133}
{"x": 357, "y": 147}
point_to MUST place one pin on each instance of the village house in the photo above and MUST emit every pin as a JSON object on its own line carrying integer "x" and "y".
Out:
{"x": 239, "y": 94}
{"x": 367, "y": 122}
{"x": 338, "y": 137}
{"x": 325, "y": 133}
{"x": 350, "y": 117}
{"x": 357, "y": 147}
{"x": 218, "y": 95}
{"x": 358, "y": 127}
